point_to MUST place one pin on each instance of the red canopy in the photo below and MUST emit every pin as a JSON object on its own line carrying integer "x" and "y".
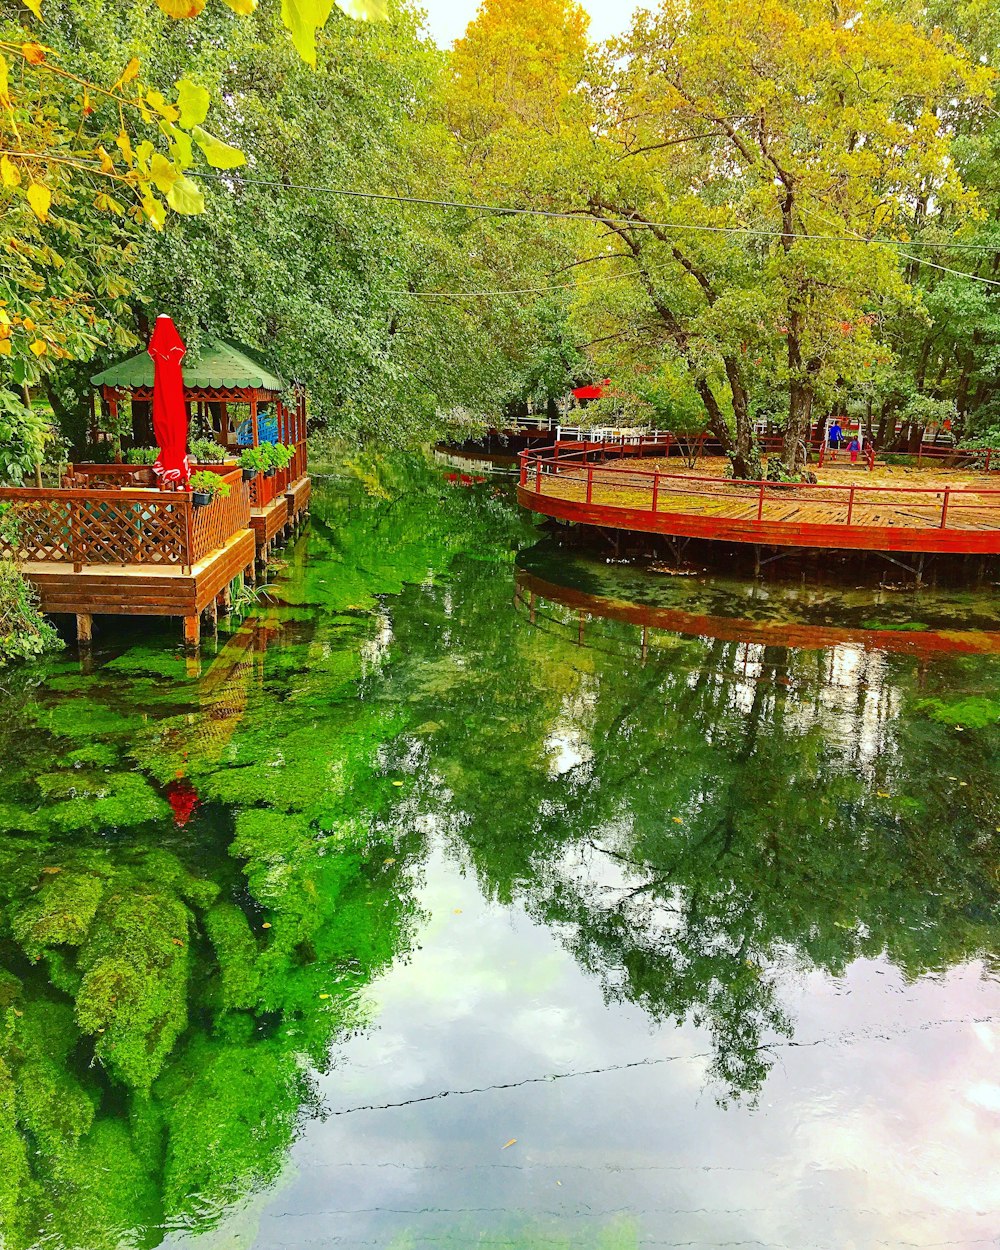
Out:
{"x": 169, "y": 410}
{"x": 592, "y": 392}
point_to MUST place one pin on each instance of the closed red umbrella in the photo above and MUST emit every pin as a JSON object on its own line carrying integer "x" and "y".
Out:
{"x": 170, "y": 424}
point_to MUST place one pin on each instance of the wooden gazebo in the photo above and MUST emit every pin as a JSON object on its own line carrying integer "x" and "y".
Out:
{"x": 224, "y": 375}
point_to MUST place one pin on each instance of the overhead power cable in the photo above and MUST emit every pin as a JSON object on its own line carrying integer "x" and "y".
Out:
{"x": 501, "y": 210}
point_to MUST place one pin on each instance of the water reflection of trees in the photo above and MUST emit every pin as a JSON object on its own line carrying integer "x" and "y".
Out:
{"x": 692, "y": 823}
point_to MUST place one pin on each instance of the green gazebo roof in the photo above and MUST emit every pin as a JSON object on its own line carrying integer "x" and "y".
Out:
{"x": 221, "y": 365}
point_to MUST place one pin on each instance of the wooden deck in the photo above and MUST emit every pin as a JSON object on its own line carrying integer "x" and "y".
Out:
{"x": 142, "y": 589}
{"x": 956, "y": 512}
{"x": 298, "y": 495}
{"x": 268, "y": 522}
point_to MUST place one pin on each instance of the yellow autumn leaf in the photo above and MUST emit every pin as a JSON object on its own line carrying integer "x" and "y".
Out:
{"x": 28, "y": 324}
{"x": 184, "y": 197}
{"x": 303, "y": 18}
{"x": 108, "y": 204}
{"x": 4, "y": 80}
{"x": 162, "y": 172}
{"x": 36, "y": 7}
{"x": 10, "y": 175}
{"x": 507, "y": 1145}
{"x": 365, "y": 10}
{"x": 181, "y": 8}
{"x": 4, "y": 347}
{"x": 218, "y": 154}
{"x": 158, "y": 102}
{"x": 130, "y": 71}
{"x": 40, "y": 199}
{"x": 243, "y": 7}
{"x": 153, "y": 210}
{"x": 124, "y": 145}
{"x": 193, "y": 102}
{"x": 39, "y": 347}
{"x": 34, "y": 53}
{"x": 107, "y": 164}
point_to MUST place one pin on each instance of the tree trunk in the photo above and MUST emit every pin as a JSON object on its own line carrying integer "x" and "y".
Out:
{"x": 800, "y": 399}
{"x": 744, "y": 454}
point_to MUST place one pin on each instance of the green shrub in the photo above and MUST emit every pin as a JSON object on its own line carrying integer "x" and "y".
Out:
{"x": 24, "y": 632}
{"x": 207, "y": 451}
{"x": 253, "y": 459}
{"x": 142, "y": 455}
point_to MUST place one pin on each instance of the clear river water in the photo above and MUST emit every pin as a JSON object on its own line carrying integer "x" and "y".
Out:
{"x": 469, "y": 892}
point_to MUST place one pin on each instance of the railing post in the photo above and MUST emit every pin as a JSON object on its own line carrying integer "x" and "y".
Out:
{"x": 988, "y": 450}
{"x": 944, "y": 507}
{"x": 590, "y": 483}
{"x": 188, "y": 536}
{"x": 75, "y": 539}
{"x": 656, "y": 491}
{"x": 850, "y": 505}
{"x": 538, "y": 475}
{"x": 760, "y": 503}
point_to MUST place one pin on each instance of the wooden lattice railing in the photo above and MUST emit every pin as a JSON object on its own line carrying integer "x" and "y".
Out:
{"x": 86, "y": 526}
{"x": 213, "y": 525}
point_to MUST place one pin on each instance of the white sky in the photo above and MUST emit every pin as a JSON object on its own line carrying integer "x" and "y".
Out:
{"x": 447, "y": 19}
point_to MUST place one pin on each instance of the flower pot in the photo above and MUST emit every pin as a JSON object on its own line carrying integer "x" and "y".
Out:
{"x": 200, "y": 498}
{"x": 269, "y": 472}
{"x": 249, "y": 475}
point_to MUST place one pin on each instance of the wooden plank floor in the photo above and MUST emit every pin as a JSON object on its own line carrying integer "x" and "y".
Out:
{"x": 141, "y": 589}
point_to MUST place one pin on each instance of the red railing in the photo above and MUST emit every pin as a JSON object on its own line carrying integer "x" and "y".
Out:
{"x": 657, "y": 493}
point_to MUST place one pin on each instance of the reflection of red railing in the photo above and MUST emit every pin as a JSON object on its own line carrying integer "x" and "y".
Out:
{"x": 571, "y": 480}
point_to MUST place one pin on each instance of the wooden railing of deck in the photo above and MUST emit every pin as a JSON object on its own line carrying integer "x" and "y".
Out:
{"x": 88, "y": 526}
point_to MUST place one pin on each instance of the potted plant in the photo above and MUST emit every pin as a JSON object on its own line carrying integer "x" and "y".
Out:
{"x": 252, "y": 462}
{"x": 270, "y": 460}
{"x": 206, "y": 486}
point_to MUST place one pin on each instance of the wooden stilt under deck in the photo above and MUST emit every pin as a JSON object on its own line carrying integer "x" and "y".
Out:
{"x": 84, "y": 628}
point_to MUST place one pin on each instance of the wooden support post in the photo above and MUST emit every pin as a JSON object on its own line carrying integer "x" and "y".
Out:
{"x": 253, "y": 421}
{"x": 944, "y": 507}
{"x": 192, "y": 630}
{"x": 224, "y": 603}
{"x": 84, "y": 629}
{"x": 211, "y": 615}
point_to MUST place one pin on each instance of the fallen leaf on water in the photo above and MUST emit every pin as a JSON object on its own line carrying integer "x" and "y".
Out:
{"x": 512, "y": 1142}
{"x": 884, "y": 794}
{"x": 397, "y": 783}
{"x": 458, "y": 911}
{"x": 678, "y": 821}
{"x": 324, "y": 995}
{"x": 265, "y": 925}
{"x": 390, "y": 861}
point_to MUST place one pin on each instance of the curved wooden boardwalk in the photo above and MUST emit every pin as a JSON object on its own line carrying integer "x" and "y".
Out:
{"x": 956, "y": 511}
